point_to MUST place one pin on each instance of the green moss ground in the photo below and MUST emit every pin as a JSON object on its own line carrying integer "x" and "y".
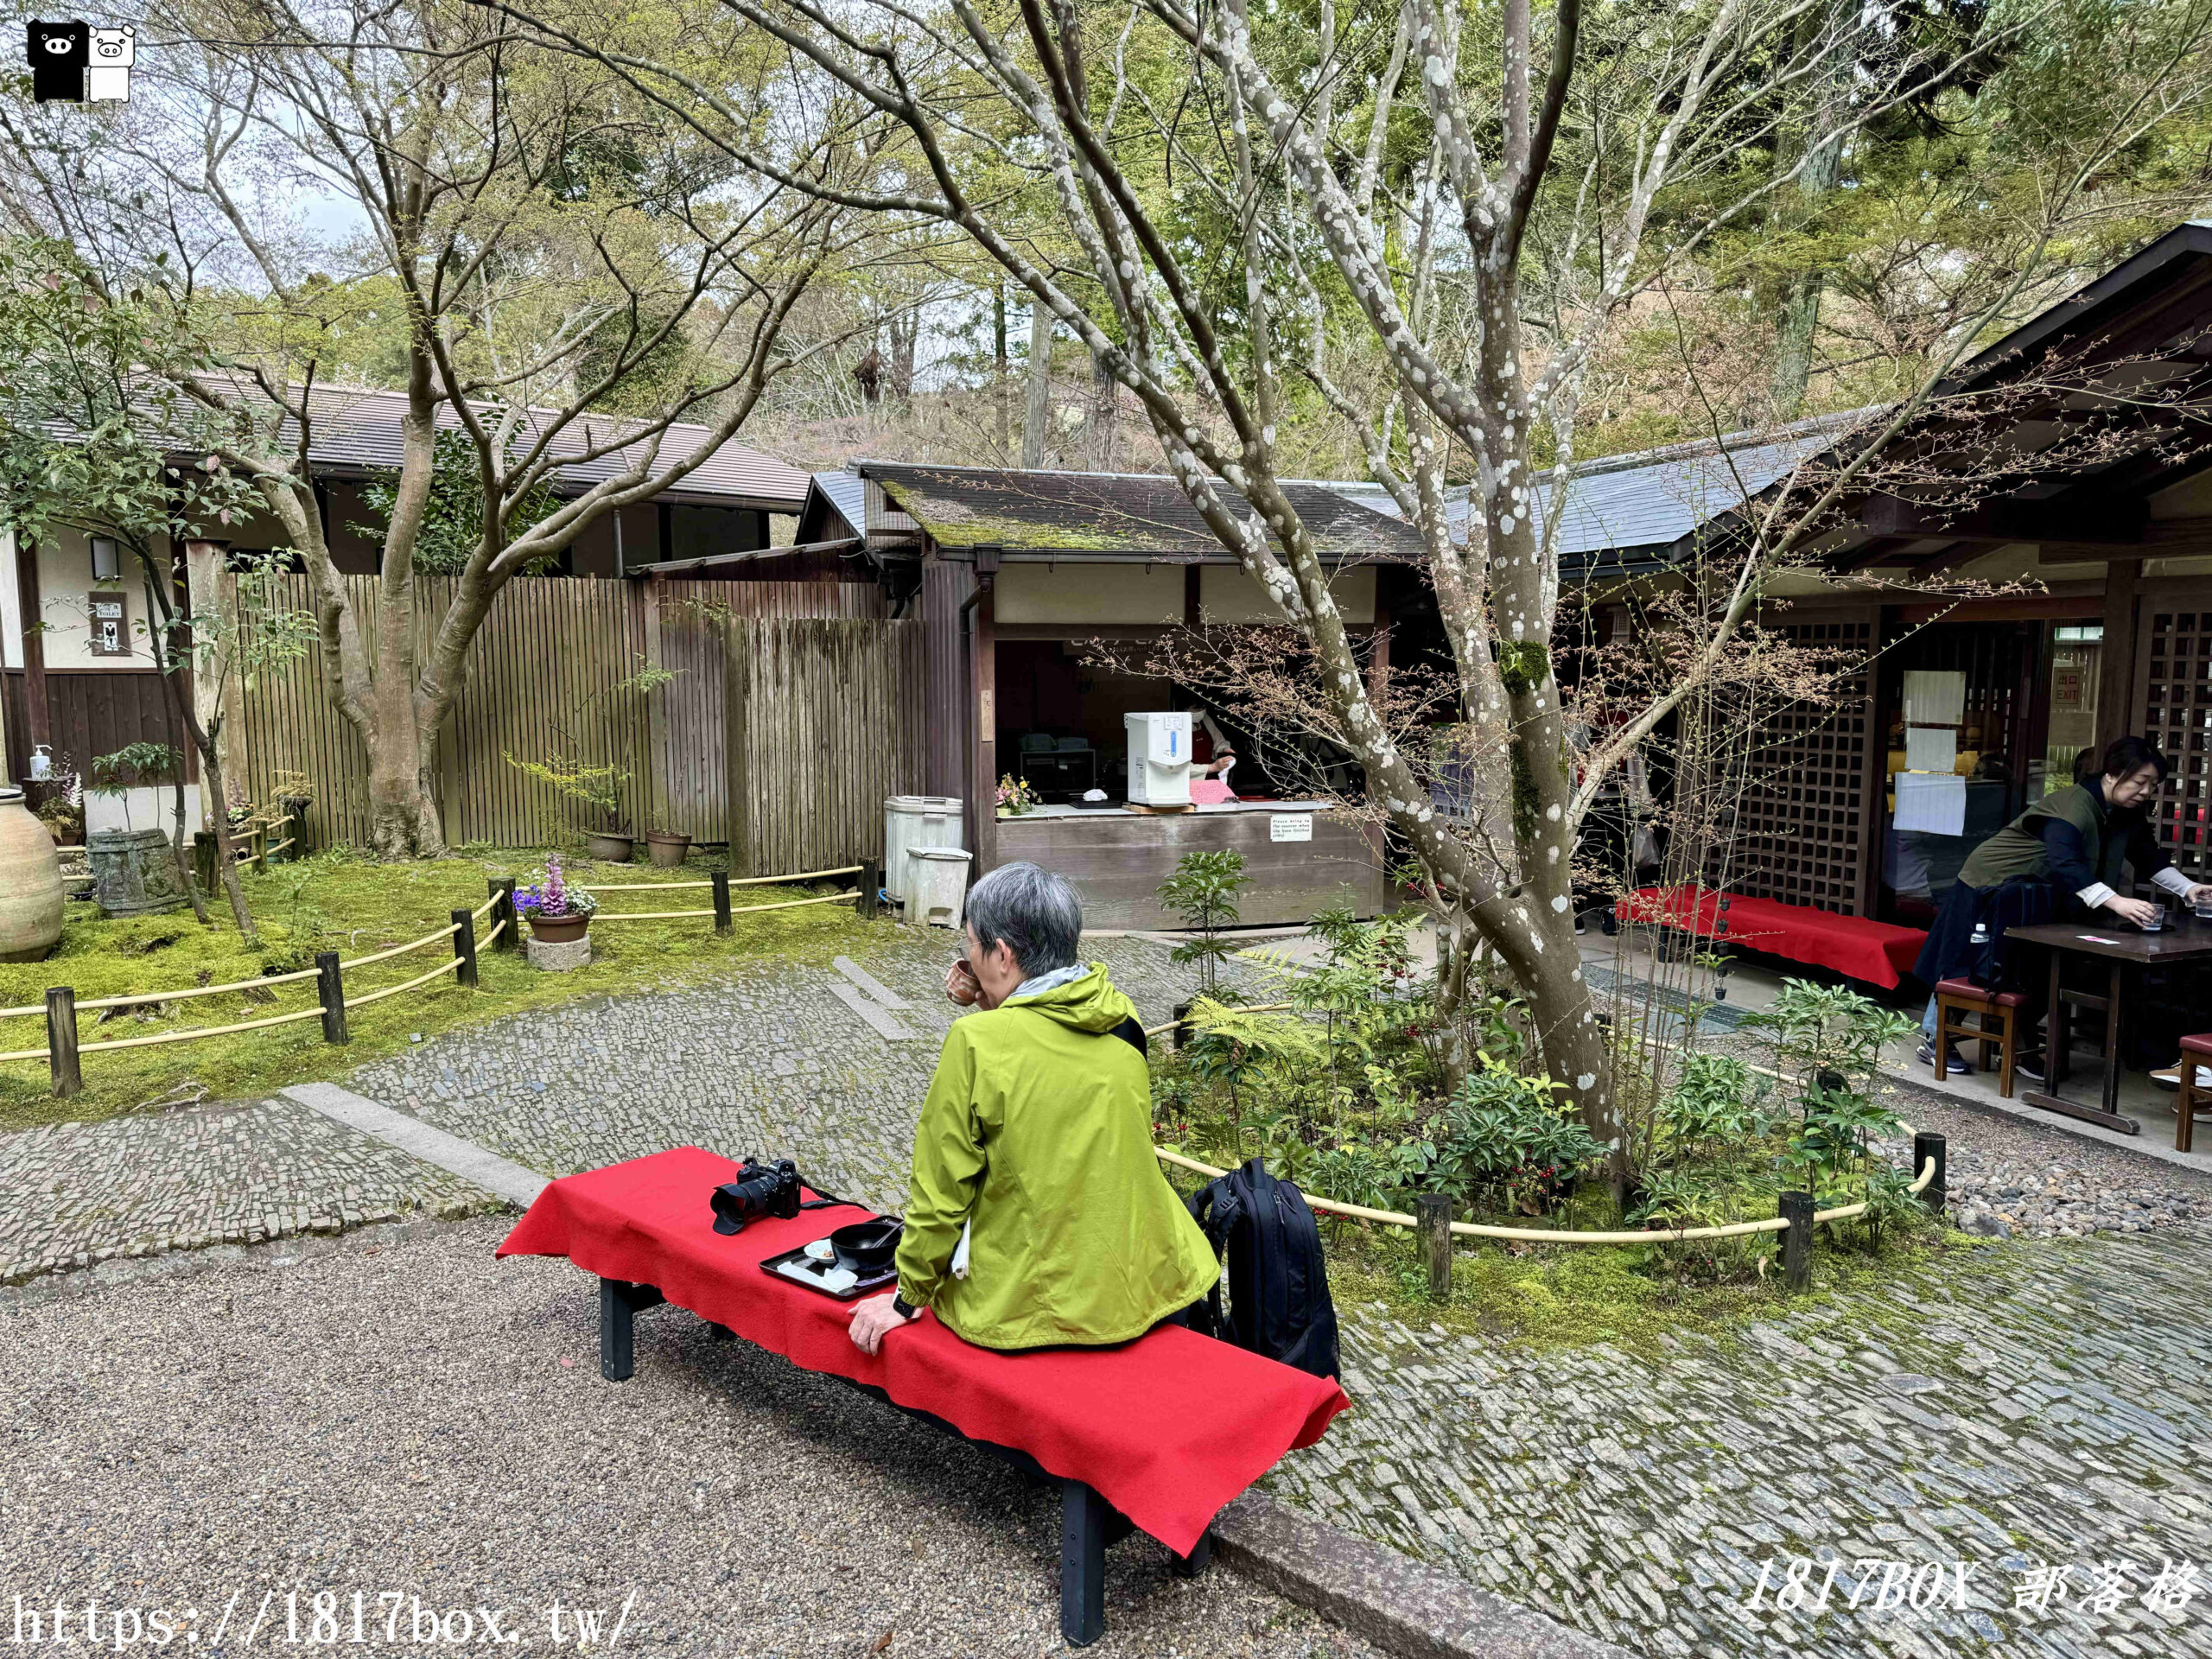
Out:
{"x": 1563, "y": 1296}
{"x": 336, "y": 902}
{"x": 1547, "y": 1297}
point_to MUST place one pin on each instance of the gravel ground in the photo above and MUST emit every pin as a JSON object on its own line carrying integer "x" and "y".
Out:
{"x": 383, "y": 1414}
{"x": 2007, "y": 1177}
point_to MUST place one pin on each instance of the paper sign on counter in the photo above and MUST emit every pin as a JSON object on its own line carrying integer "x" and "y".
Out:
{"x": 1291, "y": 826}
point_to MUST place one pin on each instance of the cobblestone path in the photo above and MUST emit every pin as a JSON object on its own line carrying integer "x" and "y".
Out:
{"x": 770, "y": 1062}
{"x": 2039, "y": 1404}
{"x": 2044, "y": 1406}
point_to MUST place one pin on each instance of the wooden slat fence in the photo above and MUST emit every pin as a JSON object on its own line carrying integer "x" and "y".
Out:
{"x": 824, "y": 720}
{"x": 547, "y": 661}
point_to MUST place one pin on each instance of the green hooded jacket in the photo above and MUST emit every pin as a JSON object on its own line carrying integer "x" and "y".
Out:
{"x": 1037, "y": 1131}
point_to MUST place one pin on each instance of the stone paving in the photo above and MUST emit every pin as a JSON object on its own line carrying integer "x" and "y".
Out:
{"x": 769, "y": 1061}
{"x": 2033, "y": 1405}
{"x": 2042, "y": 1406}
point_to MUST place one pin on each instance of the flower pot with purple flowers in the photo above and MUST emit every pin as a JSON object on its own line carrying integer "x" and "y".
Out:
{"x": 559, "y": 909}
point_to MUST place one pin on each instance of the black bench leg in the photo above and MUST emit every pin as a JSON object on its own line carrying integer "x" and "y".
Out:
{"x": 1083, "y": 1564}
{"x": 617, "y": 1362}
{"x": 1190, "y": 1565}
{"x": 619, "y": 1302}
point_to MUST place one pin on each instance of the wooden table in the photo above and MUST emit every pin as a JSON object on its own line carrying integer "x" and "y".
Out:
{"x": 2122, "y": 945}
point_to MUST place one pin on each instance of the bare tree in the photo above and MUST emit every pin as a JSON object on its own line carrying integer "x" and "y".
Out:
{"x": 520, "y": 244}
{"x": 1472, "y": 284}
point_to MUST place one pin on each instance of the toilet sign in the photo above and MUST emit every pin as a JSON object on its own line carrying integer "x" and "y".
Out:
{"x": 1291, "y": 826}
{"x": 103, "y": 615}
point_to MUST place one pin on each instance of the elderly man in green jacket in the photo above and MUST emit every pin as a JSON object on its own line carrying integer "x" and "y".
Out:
{"x": 1036, "y": 1137}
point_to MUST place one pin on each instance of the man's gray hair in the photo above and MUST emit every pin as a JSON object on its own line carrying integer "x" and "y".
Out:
{"x": 1036, "y": 913}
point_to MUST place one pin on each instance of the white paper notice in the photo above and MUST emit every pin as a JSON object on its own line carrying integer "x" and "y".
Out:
{"x": 1931, "y": 748}
{"x": 1935, "y": 696}
{"x": 1931, "y": 803}
{"x": 1291, "y": 826}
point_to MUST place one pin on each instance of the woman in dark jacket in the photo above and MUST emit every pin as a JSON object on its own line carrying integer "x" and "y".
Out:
{"x": 2063, "y": 857}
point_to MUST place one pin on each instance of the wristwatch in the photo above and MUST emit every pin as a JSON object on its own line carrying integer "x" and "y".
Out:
{"x": 905, "y": 1309}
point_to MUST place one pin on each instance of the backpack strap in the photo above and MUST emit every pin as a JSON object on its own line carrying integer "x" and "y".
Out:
{"x": 1128, "y": 1031}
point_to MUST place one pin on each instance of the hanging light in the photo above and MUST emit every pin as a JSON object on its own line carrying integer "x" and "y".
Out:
{"x": 107, "y": 564}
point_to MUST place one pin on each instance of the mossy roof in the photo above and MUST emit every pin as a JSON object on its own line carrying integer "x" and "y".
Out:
{"x": 1104, "y": 514}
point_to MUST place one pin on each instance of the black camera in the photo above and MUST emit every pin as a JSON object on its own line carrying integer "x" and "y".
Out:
{"x": 757, "y": 1190}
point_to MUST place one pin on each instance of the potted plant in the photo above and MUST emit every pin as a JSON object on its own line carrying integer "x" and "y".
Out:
{"x": 134, "y": 872}
{"x": 559, "y": 911}
{"x": 294, "y": 794}
{"x": 1015, "y": 798}
{"x": 667, "y": 847}
{"x": 573, "y": 769}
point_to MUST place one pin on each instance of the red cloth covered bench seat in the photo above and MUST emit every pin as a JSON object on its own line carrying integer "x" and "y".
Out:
{"x": 1166, "y": 1429}
{"x": 1880, "y": 953}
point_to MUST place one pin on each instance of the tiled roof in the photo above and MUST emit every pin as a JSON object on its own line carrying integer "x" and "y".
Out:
{"x": 1102, "y": 514}
{"x": 1622, "y": 512}
{"x": 847, "y": 493}
{"x": 357, "y": 428}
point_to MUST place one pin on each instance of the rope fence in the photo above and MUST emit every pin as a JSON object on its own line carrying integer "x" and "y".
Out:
{"x": 1796, "y": 1219}
{"x": 62, "y": 1007}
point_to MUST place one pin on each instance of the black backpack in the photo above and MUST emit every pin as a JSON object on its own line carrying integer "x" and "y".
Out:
{"x": 1278, "y": 1285}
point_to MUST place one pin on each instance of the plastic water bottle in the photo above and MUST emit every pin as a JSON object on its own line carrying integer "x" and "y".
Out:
{"x": 1981, "y": 934}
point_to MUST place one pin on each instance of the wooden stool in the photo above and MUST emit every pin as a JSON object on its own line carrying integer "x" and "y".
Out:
{"x": 1963, "y": 996}
{"x": 2194, "y": 1051}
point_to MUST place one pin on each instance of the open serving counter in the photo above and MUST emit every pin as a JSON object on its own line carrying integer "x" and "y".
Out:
{"x": 1302, "y": 856}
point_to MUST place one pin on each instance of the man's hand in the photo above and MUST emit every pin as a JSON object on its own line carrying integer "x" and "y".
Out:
{"x": 960, "y": 985}
{"x": 871, "y": 1320}
{"x": 2201, "y": 894}
{"x": 2138, "y": 910}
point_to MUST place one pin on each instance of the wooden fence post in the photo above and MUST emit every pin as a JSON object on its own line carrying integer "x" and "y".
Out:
{"x": 1433, "y": 1211}
{"x": 871, "y": 889}
{"x": 331, "y": 987}
{"x": 61, "y": 1041}
{"x": 720, "y": 879}
{"x": 464, "y": 947}
{"x": 203, "y": 861}
{"x": 1935, "y": 1195}
{"x": 502, "y": 892}
{"x": 1797, "y": 1240}
{"x": 1182, "y": 1012}
{"x": 261, "y": 849}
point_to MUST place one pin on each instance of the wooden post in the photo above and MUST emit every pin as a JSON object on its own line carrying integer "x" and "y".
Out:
{"x": 1797, "y": 1240}
{"x": 656, "y": 791}
{"x": 37, "y": 713}
{"x": 720, "y": 879}
{"x": 203, "y": 861}
{"x": 260, "y": 844}
{"x": 61, "y": 1041}
{"x": 331, "y": 987}
{"x": 1935, "y": 1195}
{"x": 1182, "y": 1012}
{"x": 2116, "y": 656}
{"x": 738, "y": 637}
{"x": 503, "y": 910}
{"x": 1433, "y": 1211}
{"x": 464, "y": 947}
{"x": 871, "y": 889}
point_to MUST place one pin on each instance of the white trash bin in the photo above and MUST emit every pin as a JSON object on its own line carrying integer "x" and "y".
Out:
{"x": 911, "y": 820}
{"x": 937, "y": 881}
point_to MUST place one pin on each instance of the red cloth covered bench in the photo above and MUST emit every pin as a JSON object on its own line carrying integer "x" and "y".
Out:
{"x": 1158, "y": 1433}
{"x": 1881, "y": 953}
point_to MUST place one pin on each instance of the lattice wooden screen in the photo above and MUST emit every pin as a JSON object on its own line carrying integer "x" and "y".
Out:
{"x": 2176, "y": 650}
{"x": 1803, "y": 812}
